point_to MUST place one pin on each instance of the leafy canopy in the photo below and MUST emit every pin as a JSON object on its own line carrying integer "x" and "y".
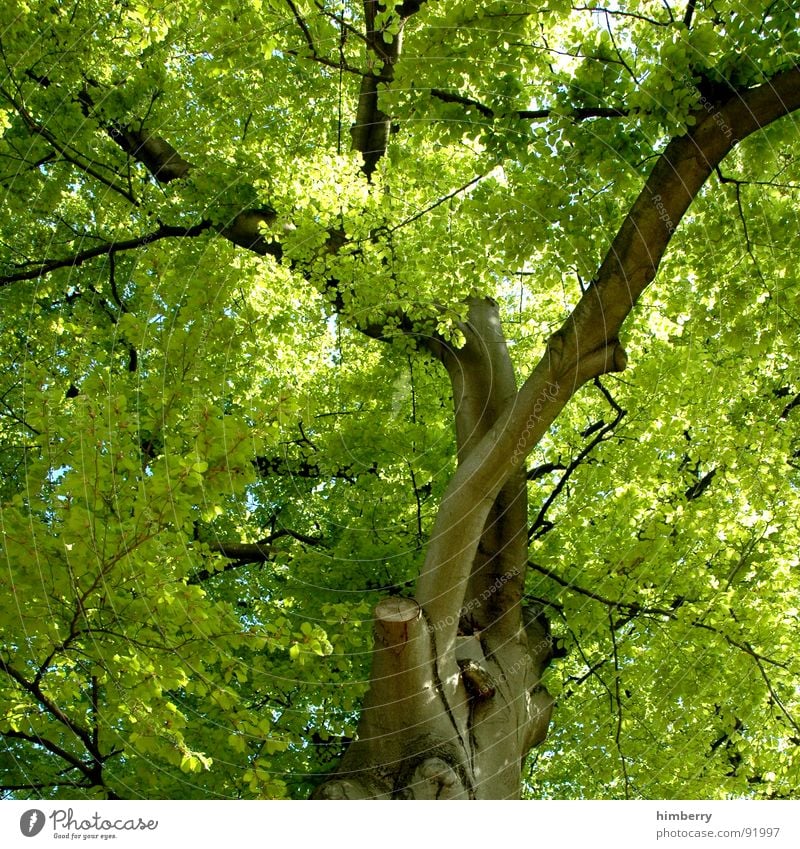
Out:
{"x": 166, "y": 393}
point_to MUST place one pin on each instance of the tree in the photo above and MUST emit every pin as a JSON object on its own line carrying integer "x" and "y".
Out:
{"x": 253, "y": 254}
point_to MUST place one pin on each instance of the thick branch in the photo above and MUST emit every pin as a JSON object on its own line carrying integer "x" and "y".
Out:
{"x": 687, "y": 17}
{"x": 241, "y": 553}
{"x": 483, "y": 381}
{"x": 795, "y": 402}
{"x": 370, "y": 131}
{"x": 586, "y": 346}
{"x": 165, "y": 164}
{"x": 679, "y": 173}
{"x": 157, "y": 155}
{"x": 494, "y": 459}
{"x": 253, "y": 552}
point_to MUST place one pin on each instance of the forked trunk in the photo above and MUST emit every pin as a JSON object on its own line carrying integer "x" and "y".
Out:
{"x": 416, "y": 743}
{"x": 454, "y": 718}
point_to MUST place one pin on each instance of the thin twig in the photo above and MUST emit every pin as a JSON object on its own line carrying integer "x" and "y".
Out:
{"x": 618, "y": 700}
{"x": 634, "y": 609}
{"x": 439, "y": 202}
{"x": 774, "y": 695}
{"x": 540, "y": 525}
{"x": 617, "y": 12}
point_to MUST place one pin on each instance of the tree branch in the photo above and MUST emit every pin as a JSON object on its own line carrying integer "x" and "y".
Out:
{"x": 792, "y": 721}
{"x": 247, "y": 228}
{"x": 155, "y": 153}
{"x": 616, "y": 604}
{"x": 302, "y": 468}
{"x": 483, "y": 381}
{"x": 577, "y": 114}
{"x": 540, "y": 525}
{"x": 687, "y": 18}
{"x": 795, "y": 402}
{"x": 78, "y": 160}
{"x": 42, "y": 785}
{"x": 303, "y": 27}
{"x": 52, "y": 747}
{"x": 33, "y": 689}
{"x": 618, "y": 700}
{"x": 48, "y": 265}
{"x": 544, "y": 469}
{"x": 697, "y": 489}
{"x": 450, "y": 97}
{"x": 439, "y": 202}
{"x": 632, "y": 608}
{"x": 244, "y": 553}
{"x": 251, "y": 552}
{"x": 581, "y": 113}
{"x": 371, "y": 128}
{"x": 587, "y": 344}
{"x": 617, "y": 12}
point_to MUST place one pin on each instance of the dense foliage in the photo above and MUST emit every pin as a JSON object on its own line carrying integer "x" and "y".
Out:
{"x": 212, "y": 469}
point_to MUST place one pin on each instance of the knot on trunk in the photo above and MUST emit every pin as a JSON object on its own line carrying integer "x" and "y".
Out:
{"x": 433, "y": 778}
{"x": 478, "y": 681}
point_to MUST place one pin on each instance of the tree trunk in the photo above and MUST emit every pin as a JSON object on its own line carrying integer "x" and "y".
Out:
{"x": 454, "y": 719}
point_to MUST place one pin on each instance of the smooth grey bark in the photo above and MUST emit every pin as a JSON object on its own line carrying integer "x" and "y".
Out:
{"x": 456, "y": 724}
